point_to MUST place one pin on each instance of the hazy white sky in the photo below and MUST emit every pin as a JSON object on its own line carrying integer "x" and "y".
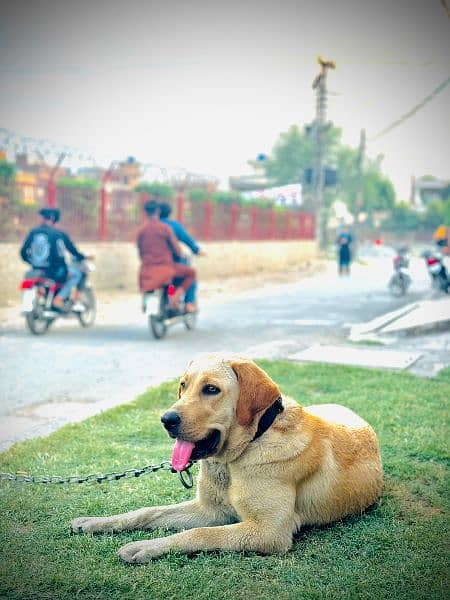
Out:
{"x": 208, "y": 85}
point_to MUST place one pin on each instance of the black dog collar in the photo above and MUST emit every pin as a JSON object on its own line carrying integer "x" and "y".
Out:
{"x": 269, "y": 417}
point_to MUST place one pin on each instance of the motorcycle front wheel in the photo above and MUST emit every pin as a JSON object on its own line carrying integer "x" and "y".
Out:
{"x": 87, "y": 317}
{"x": 397, "y": 287}
{"x": 190, "y": 320}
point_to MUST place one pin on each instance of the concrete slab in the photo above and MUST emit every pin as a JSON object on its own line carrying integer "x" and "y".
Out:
{"x": 359, "y": 329}
{"x": 362, "y": 357}
{"x": 431, "y": 312}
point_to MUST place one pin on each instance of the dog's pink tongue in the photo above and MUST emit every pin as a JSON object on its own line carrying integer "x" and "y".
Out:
{"x": 181, "y": 454}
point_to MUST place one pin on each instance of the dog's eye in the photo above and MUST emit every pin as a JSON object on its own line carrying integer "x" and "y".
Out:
{"x": 210, "y": 390}
{"x": 182, "y": 384}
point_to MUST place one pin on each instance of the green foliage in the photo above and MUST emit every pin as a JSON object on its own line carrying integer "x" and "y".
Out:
{"x": 294, "y": 153}
{"x": 402, "y": 218}
{"x": 223, "y": 197}
{"x": 78, "y": 196}
{"x": 379, "y": 193}
{"x": 437, "y": 213}
{"x": 197, "y": 194}
{"x": 11, "y": 207}
{"x": 265, "y": 203}
{"x": 82, "y": 183}
{"x": 353, "y": 558}
{"x": 159, "y": 190}
{"x": 7, "y": 172}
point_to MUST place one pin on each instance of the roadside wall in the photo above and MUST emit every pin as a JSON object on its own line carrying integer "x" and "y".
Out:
{"x": 117, "y": 263}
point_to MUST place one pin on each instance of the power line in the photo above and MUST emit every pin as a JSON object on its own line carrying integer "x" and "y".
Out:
{"x": 413, "y": 111}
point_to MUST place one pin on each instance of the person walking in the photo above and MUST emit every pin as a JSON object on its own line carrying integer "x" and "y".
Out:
{"x": 344, "y": 241}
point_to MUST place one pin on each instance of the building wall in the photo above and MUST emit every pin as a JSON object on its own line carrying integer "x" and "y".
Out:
{"x": 117, "y": 263}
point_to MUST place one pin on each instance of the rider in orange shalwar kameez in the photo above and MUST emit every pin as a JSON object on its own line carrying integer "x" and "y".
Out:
{"x": 157, "y": 245}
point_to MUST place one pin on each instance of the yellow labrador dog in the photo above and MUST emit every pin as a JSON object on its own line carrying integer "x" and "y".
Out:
{"x": 267, "y": 465}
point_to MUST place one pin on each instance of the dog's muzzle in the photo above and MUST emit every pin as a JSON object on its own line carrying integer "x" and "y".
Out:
{"x": 171, "y": 421}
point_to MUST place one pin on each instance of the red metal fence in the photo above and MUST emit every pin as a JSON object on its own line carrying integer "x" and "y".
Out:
{"x": 115, "y": 214}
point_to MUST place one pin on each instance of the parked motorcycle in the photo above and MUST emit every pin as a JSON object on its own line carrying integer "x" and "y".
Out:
{"x": 38, "y": 292}
{"x": 401, "y": 279}
{"x": 434, "y": 261}
{"x": 161, "y": 315}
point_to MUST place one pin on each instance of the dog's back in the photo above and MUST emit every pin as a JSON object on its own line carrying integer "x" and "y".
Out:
{"x": 348, "y": 474}
{"x": 337, "y": 414}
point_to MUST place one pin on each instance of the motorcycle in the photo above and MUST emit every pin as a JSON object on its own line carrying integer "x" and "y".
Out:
{"x": 161, "y": 315}
{"x": 437, "y": 270}
{"x": 401, "y": 280}
{"x": 38, "y": 292}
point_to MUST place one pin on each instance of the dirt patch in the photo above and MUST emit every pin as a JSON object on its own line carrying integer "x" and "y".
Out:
{"x": 411, "y": 504}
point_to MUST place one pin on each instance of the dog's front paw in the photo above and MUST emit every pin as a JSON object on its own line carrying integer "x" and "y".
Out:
{"x": 143, "y": 551}
{"x": 92, "y": 525}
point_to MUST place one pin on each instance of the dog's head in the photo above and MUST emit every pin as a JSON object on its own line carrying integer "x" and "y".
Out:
{"x": 219, "y": 401}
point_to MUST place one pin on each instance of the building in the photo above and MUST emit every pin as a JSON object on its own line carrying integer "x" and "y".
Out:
{"x": 425, "y": 190}
{"x": 127, "y": 172}
{"x": 32, "y": 178}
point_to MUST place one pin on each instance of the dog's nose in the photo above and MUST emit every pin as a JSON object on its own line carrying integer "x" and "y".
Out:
{"x": 171, "y": 421}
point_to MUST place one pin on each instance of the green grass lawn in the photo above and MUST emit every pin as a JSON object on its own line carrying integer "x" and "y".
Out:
{"x": 397, "y": 550}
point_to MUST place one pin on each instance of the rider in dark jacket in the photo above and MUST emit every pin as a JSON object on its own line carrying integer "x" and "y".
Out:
{"x": 44, "y": 249}
{"x": 182, "y": 236}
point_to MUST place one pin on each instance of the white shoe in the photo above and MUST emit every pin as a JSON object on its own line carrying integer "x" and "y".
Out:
{"x": 78, "y": 307}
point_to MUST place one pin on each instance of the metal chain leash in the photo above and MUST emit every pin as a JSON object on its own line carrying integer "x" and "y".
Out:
{"x": 184, "y": 476}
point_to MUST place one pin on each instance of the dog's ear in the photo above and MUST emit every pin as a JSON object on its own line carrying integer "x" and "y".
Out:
{"x": 256, "y": 391}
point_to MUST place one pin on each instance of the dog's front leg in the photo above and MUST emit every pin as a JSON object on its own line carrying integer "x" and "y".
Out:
{"x": 210, "y": 507}
{"x": 175, "y": 516}
{"x": 267, "y": 526}
{"x": 248, "y": 536}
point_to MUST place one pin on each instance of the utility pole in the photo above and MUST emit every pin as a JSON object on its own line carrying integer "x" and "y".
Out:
{"x": 320, "y": 85}
{"x": 360, "y": 171}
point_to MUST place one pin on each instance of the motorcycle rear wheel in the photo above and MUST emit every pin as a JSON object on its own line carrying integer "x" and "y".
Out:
{"x": 35, "y": 320}
{"x": 157, "y": 326}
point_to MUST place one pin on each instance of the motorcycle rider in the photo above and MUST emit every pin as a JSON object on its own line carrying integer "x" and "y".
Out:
{"x": 442, "y": 239}
{"x": 44, "y": 249}
{"x": 182, "y": 236}
{"x": 157, "y": 246}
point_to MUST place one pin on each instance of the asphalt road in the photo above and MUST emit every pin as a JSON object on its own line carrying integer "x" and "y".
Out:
{"x": 72, "y": 372}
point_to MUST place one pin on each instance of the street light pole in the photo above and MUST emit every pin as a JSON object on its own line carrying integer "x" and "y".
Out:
{"x": 320, "y": 85}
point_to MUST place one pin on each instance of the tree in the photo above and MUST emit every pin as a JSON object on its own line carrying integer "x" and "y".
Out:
{"x": 291, "y": 156}
{"x": 294, "y": 152}
{"x": 437, "y": 213}
{"x": 156, "y": 188}
{"x": 7, "y": 172}
{"x": 9, "y": 193}
{"x": 78, "y": 196}
{"x": 402, "y": 218}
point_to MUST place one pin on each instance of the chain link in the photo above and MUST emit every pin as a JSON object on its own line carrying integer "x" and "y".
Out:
{"x": 184, "y": 476}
